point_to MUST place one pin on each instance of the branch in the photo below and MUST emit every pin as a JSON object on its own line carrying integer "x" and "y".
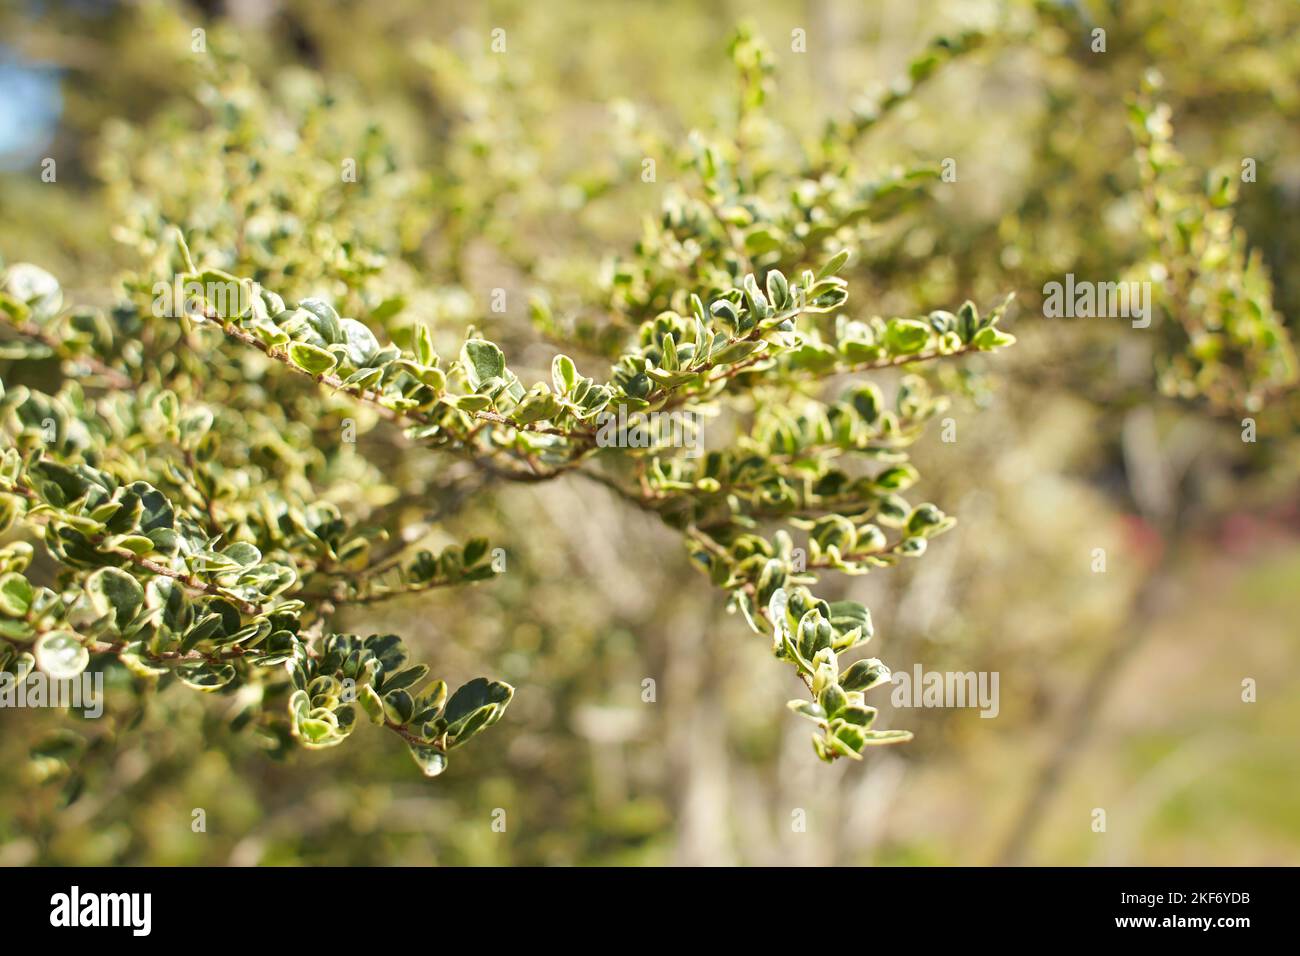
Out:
{"x": 113, "y": 377}
{"x": 184, "y": 578}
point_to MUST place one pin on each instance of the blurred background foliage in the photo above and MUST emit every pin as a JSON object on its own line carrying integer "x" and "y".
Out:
{"x": 1120, "y": 690}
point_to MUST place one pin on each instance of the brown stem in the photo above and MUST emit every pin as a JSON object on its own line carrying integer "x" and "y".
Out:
{"x": 153, "y": 567}
{"x": 112, "y": 376}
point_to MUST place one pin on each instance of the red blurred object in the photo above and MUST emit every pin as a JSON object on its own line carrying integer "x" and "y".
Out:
{"x": 1142, "y": 539}
{"x": 1244, "y": 531}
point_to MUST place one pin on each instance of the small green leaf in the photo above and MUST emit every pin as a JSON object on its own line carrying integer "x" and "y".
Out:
{"x": 834, "y": 264}
{"x": 482, "y": 360}
{"x": 324, "y": 320}
{"x": 16, "y": 595}
{"x": 847, "y": 741}
{"x": 399, "y": 707}
{"x": 463, "y": 730}
{"x": 897, "y": 478}
{"x": 206, "y": 676}
{"x": 471, "y": 403}
{"x": 858, "y": 716}
{"x": 424, "y": 353}
{"x": 315, "y": 732}
{"x": 990, "y": 338}
{"x": 864, "y": 675}
{"x": 61, "y": 655}
{"x": 475, "y": 694}
{"x": 19, "y": 631}
{"x": 34, "y": 287}
{"x": 833, "y": 700}
{"x": 563, "y": 374}
{"x": 309, "y": 358}
{"x": 807, "y": 708}
{"x": 877, "y": 737}
{"x": 430, "y": 760}
{"x": 243, "y": 554}
{"x": 112, "y": 590}
{"x": 361, "y": 342}
{"x": 906, "y": 336}
{"x": 371, "y": 704}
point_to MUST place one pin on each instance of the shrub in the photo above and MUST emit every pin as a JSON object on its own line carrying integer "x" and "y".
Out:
{"x": 304, "y": 316}
{"x": 179, "y": 471}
